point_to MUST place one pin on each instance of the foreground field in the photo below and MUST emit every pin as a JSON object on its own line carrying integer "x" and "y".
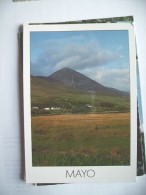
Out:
{"x": 81, "y": 140}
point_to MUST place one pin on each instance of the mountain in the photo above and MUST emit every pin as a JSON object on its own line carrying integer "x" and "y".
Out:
{"x": 77, "y": 81}
{"x": 69, "y": 91}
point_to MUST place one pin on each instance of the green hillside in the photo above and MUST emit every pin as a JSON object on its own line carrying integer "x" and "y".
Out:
{"x": 48, "y": 97}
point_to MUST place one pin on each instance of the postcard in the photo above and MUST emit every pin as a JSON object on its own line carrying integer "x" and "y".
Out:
{"x": 80, "y": 103}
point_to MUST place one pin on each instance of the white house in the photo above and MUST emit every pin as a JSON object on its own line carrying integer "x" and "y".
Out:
{"x": 35, "y": 107}
{"x": 46, "y": 108}
{"x": 55, "y": 108}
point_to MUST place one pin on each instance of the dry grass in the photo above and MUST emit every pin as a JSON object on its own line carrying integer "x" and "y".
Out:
{"x": 80, "y": 138}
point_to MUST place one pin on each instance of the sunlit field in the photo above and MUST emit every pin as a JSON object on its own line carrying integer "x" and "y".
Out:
{"x": 81, "y": 140}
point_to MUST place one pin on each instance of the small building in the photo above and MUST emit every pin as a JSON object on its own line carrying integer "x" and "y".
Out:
{"x": 46, "y": 108}
{"x": 35, "y": 107}
{"x": 55, "y": 108}
{"x": 88, "y": 105}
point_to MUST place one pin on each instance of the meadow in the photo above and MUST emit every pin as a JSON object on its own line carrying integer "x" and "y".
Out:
{"x": 100, "y": 139}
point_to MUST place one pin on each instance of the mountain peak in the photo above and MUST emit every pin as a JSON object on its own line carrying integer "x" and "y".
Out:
{"x": 73, "y": 79}
{"x": 66, "y": 68}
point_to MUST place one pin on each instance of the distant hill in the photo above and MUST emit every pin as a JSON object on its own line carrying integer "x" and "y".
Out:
{"x": 73, "y": 92}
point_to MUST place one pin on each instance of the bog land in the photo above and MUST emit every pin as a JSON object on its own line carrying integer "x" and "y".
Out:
{"x": 101, "y": 139}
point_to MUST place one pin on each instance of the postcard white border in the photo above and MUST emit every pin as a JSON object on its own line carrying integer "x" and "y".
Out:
{"x": 102, "y": 173}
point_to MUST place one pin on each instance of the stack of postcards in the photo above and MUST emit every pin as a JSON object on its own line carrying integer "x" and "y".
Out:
{"x": 80, "y": 102}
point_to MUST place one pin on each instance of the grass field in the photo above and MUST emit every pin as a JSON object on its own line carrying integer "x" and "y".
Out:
{"x": 81, "y": 140}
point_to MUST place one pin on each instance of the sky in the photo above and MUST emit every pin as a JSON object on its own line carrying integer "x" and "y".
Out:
{"x": 102, "y": 55}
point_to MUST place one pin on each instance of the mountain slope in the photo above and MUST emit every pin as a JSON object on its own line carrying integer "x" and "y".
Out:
{"x": 65, "y": 94}
{"x": 75, "y": 80}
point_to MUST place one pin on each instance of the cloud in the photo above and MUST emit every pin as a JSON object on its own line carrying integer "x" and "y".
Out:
{"x": 71, "y": 52}
{"x": 114, "y": 78}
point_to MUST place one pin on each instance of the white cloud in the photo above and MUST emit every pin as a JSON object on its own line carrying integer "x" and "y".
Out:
{"x": 115, "y": 78}
{"x": 56, "y": 55}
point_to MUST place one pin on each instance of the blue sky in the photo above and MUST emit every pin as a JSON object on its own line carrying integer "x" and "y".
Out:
{"x": 101, "y": 55}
